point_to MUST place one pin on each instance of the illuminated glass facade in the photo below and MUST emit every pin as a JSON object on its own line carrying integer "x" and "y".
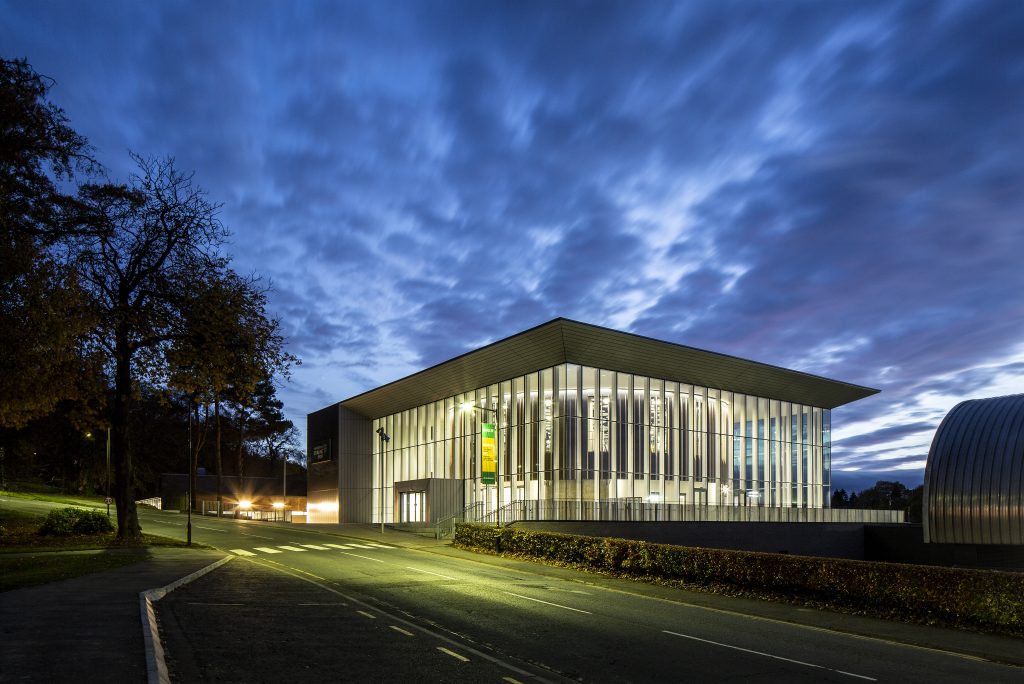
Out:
{"x": 589, "y": 423}
{"x": 575, "y": 433}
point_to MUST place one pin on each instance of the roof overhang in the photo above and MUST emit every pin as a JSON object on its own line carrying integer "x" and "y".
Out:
{"x": 566, "y": 341}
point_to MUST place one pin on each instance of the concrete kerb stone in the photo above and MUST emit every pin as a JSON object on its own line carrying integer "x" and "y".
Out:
{"x": 156, "y": 666}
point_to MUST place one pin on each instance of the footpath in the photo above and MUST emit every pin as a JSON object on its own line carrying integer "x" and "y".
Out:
{"x": 89, "y": 628}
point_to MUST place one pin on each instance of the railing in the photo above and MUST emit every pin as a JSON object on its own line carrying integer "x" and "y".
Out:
{"x": 445, "y": 527}
{"x": 620, "y": 511}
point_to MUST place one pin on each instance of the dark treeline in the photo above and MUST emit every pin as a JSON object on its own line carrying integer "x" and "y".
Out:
{"x": 60, "y": 451}
{"x": 885, "y": 496}
{"x": 121, "y": 316}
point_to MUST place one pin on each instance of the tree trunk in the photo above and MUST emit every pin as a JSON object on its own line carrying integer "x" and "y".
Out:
{"x": 124, "y": 472}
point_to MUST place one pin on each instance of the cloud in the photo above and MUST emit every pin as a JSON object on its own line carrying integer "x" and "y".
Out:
{"x": 829, "y": 187}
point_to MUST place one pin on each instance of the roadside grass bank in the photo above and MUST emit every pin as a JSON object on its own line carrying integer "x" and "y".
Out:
{"x": 20, "y": 571}
{"x": 28, "y": 558}
{"x": 40, "y": 494}
{"x": 982, "y": 600}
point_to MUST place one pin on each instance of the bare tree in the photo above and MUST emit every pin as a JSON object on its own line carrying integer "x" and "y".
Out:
{"x": 139, "y": 248}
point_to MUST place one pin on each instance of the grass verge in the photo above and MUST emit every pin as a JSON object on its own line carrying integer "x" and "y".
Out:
{"x": 28, "y": 558}
{"x": 19, "y": 571}
{"x": 69, "y": 499}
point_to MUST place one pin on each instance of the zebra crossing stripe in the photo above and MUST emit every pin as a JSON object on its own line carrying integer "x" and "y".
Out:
{"x": 361, "y": 546}
{"x": 267, "y": 549}
{"x": 380, "y": 546}
{"x": 338, "y": 546}
{"x": 314, "y": 546}
{"x": 242, "y": 552}
{"x": 291, "y": 548}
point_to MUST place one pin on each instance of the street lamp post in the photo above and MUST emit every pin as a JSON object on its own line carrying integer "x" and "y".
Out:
{"x": 384, "y": 439}
{"x": 469, "y": 406}
{"x": 107, "y": 498}
{"x": 191, "y": 494}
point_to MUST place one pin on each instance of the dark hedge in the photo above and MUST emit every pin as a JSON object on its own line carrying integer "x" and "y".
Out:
{"x": 63, "y": 522}
{"x": 981, "y": 599}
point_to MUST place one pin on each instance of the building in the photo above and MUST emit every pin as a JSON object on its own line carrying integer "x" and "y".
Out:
{"x": 974, "y": 477}
{"x": 572, "y": 421}
{"x": 261, "y": 498}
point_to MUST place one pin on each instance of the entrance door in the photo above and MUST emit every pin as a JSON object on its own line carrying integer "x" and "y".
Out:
{"x": 412, "y": 506}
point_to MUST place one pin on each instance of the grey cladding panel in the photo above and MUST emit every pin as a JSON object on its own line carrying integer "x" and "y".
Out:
{"x": 355, "y": 466}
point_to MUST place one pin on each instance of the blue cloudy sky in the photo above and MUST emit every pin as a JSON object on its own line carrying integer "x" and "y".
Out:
{"x": 830, "y": 186}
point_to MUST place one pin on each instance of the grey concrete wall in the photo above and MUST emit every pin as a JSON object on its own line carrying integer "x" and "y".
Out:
{"x": 905, "y": 544}
{"x": 830, "y": 540}
{"x": 355, "y": 466}
{"x": 444, "y": 496}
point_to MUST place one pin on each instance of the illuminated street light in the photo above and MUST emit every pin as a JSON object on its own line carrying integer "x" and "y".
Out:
{"x": 384, "y": 439}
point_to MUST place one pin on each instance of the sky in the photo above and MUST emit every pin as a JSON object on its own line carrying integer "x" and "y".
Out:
{"x": 833, "y": 187}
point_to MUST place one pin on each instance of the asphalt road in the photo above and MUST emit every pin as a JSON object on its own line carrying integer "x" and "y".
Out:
{"x": 334, "y": 606}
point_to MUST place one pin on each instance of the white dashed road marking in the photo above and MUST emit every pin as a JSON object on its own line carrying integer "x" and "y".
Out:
{"x": 242, "y": 552}
{"x": 453, "y": 654}
{"x": 291, "y": 548}
{"x": 314, "y": 546}
{"x": 338, "y": 546}
{"x": 267, "y": 549}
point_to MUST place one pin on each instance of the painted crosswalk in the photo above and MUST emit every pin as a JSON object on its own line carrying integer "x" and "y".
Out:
{"x": 326, "y": 546}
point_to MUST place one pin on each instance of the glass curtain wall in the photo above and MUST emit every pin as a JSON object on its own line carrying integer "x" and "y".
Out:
{"x": 574, "y": 433}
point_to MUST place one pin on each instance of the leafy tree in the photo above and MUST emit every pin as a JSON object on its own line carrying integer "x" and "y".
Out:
{"x": 265, "y": 422}
{"x": 229, "y": 347}
{"x": 840, "y": 499}
{"x": 42, "y": 312}
{"x": 138, "y": 248}
{"x": 887, "y": 496}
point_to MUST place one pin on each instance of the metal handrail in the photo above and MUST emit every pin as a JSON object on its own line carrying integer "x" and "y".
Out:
{"x": 445, "y": 527}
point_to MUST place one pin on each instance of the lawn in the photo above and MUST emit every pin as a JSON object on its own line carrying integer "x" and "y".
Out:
{"x": 28, "y": 558}
{"x": 17, "y": 571}
{"x": 57, "y": 497}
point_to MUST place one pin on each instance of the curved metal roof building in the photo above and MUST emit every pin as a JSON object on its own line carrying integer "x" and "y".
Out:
{"x": 974, "y": 479}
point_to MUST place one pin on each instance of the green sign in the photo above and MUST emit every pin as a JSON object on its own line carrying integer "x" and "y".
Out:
{"x": 488, "y": 460}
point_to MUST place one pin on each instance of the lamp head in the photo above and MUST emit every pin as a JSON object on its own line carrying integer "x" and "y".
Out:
{"x": 383, "y": 435}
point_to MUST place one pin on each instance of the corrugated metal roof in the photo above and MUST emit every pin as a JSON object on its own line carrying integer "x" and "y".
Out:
{"x": 567, "y": 341}
{"x": 974, "y": 477}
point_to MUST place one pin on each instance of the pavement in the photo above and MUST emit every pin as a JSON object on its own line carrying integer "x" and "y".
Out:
{"x": 89, "y": 628}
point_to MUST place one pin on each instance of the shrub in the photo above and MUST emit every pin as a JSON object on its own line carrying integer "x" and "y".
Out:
{"x": 985, "y": 599}
{"x": 63, "y": 522}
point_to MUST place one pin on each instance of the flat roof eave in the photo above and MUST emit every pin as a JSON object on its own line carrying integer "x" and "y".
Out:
{"x": 566, "y": 341}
